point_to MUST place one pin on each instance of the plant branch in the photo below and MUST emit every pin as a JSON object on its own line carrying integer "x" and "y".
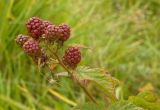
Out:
{"x": 84, "y": 89}
{"x": 72, "y": 76}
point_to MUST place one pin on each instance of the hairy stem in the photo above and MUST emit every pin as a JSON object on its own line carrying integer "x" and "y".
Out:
{"x": 71, "y": 74}
{"x": 84, "y": 89}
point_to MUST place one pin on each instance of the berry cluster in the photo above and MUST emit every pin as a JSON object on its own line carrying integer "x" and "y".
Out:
{"x": 41, "y": 30}
{"x": 72, "y": 56}
{"x": 31, "y": 47}
{"x": 21, "y": 39}
{"x": 35, "y": 27}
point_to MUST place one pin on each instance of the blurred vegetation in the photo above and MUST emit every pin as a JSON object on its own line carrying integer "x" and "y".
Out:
{"x": 124, "y": 36}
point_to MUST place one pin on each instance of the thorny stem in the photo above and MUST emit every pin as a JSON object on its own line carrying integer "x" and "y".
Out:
{"x": 69, "y": 72}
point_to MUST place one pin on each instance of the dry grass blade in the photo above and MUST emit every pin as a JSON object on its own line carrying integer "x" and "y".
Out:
{"x": 59, "y": 96}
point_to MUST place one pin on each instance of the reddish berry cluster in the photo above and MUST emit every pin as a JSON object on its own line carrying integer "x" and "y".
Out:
{"x": 31, "y": 47}
{"x": 46, "y": 31}
{"x": 51, "y": 33}
{"x": 21, "y": 39}
{"x": 72, "y": 56}
{"x": 61, "y": 32}
{"x": 46, "y": 24}
{"x": 35, "y": 27}
{"x": 64, "y": 32}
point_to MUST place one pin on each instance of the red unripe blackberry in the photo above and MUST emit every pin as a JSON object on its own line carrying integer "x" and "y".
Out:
{"x": 64, "y": 32}
{"x": 46, "y": 24}
{"x": 32, "y": 48}
{"x": 35, "y": 27}
{"x": 51, "y": 32}
{"x": 21, "y": 39}
{"x": 72, "y": 57}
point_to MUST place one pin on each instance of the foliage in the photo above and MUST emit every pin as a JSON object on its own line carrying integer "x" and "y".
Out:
{"x": 89, "y": 106}
{"x": 123, "y": 36}
{"x": 101, "y": 78}
{"x": 123, "y": 105}
{"x": 146, "y": 100}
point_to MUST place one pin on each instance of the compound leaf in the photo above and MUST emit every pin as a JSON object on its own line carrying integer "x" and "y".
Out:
{"x": 105, "y": 81}
{"x": 124, "y": 105}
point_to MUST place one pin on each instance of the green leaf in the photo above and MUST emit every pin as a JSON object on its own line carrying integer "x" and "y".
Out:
{"x": 123, "y": 105}
{"x": 143, "y": 103}
{"x": 104, "y": 81}
{"x": 148, "y": 96}
{"x": 89, "y": 106}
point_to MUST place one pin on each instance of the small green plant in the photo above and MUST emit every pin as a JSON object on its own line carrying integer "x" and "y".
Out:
{"x": 43, "y": 44}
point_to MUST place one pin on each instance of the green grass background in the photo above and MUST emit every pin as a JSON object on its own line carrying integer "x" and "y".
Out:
{"x": 124, "y": 36}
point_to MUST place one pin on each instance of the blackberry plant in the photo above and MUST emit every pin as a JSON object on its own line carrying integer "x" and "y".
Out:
{"x": 43, "y": 45}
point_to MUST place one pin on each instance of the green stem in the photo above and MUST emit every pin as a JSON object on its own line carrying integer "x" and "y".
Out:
{"x": 69, "y": 72}
{"x": 84, "y": 89}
